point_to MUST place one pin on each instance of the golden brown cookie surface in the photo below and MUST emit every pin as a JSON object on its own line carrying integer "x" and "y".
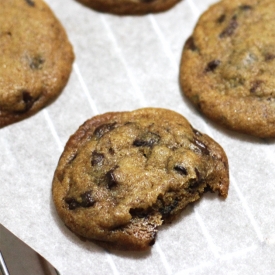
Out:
{"x": 129, "y": 7}
{"x": 228, "y": 66}
{"x": 123, "y": 174}
{"x": 35, "y": 61}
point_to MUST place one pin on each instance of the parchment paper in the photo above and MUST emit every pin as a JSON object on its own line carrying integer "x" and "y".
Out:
{"x": 125, "y": 63}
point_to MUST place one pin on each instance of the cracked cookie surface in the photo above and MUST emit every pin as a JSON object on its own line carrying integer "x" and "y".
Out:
{"x": 35, "y": 61}
{"x": 129, "y": 7}
{"x": 123, "y": 174}
{"x": 228, "y": 66}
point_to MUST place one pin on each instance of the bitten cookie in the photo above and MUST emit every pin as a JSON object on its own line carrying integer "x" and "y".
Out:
{"x": 129, "y": 7}
{"x": 35, "y": 61}
{"x": 228, "y": 66}
{"x": 123, "y": 174}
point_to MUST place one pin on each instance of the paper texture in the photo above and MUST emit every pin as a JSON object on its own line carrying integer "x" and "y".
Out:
{"x": 125, "y": 63}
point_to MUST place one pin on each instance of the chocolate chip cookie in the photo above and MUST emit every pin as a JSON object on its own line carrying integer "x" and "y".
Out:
{"x": 123, "y": 174}
{"x": 228, "y": 66}
{"x": 129, "y": 7}
{"x": 35, "y": 61}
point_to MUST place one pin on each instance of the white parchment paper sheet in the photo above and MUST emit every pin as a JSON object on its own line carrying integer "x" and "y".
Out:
{"x": 125, "y": 63}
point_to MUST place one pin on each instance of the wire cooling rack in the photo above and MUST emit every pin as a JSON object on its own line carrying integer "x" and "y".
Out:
{"x": 125, "y": 63}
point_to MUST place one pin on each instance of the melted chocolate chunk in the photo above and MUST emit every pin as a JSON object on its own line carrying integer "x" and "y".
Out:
{"x": 30, "y": 3}
{"x": 28, "y": 100}
{"x": 167, "y": 209}
{"x": 201, "y": 146}
{"x": 230, "y": 29}
{"x": 269, "y": 56}
{"x": 212, "y": 65}
{"x": 148, "y": 139}
{"x": 97, "y": 158}
{"x": 87, "y": 200}
{"x": 190, "y": 44}
{"x": 37, "y": 63}
{"x": 181, "y": 169}
{"x": 111, "y": 151}
{"x": 195, "y": 183}
{"x": 255, "y": 85}
{"x": 72, "y": 203}
{"x": 111, "y": 178}
{"x": 245, "y": 7}
{"x": 198, "y": 175}
{"x": 103, "y": 129}
{"x": 221, "y": 18}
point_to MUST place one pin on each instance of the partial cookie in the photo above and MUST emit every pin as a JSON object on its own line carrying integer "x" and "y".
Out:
{"x": 35, "y": 61}
{"x": 228, "y": 66}
{"x": 123, "y": 174}
{"x": 129, "y": 7}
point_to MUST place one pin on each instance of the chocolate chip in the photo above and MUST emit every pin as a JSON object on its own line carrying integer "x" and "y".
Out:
{"x": 26, "y": 96}
{"x": 195, "y": 183}
{"x": 103, "y": 129}
{"x": 30, "y": 3}
{"x": 97, "y": 158}
{"x": 198, "y": 175}
{"x": 111, "y": 151}
{"x": 190, "y": 44}
{"x": 148, "y": 139}
{"x": 221, "y": 18}
{"x": 37, "y": 63}
{"x": 167, "y": 209}
{"x": 212, "y": 65}
{"x": 72, "y": 203}
{"x": 111, "y": 178}
{"x": 28, "y": 100}
{"x": 269, "y": 56}
{"x": 245, "y": 7}
{"x": 255, "y": 85}
{"x": 181, "y": 169}
{"x": 230, "y": 29}
{"x": 201, "y": 146}
{"x": 87, "y": 200}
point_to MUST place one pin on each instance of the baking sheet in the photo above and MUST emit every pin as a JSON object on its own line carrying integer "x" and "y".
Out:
{"x": 125, "y": 63}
